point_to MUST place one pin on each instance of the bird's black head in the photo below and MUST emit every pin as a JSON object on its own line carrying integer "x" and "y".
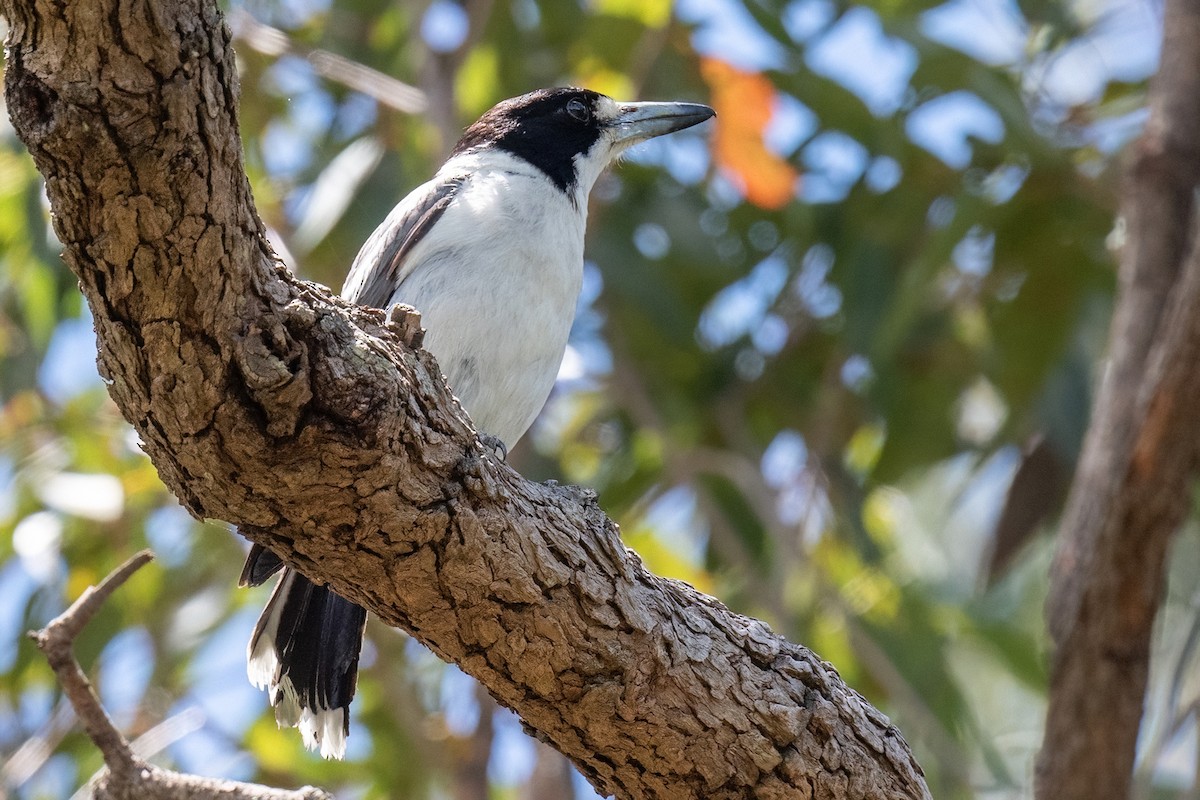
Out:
{"x": 548, "y": 128}
{"x": 571, "y": 135}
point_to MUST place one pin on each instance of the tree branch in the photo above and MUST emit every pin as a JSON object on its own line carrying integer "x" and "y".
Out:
{"x": 1132, "y": 487}
{"x": 264, "y": 401}
{"x": 331, "y": 66}
{"x": 127, "y": 776}
{"x": 56, "y": 640}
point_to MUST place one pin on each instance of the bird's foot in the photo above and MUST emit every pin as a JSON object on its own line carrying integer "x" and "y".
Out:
{"x": 494, "y": 444}
{"x": 405, "y": 321}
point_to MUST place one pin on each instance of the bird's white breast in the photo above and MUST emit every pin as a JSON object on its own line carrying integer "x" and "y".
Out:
{"x": 497, "y": 281}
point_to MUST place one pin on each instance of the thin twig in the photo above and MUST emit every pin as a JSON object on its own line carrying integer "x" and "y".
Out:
{"x": 127, "y": 775}
{"x": 382, "y": 87}
{"x": 55, "y": 641}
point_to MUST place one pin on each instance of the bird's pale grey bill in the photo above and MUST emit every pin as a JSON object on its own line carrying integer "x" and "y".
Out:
{"x": 638, "y": 121}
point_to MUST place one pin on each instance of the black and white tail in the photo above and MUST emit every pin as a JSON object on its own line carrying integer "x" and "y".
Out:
{"x": 304, "y": 652}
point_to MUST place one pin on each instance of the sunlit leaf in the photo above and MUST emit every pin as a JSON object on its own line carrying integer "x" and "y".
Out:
{"x": 607, "y": 81}
{"x": 476, "y": 81}
{"x": 744, "y": 102}
{"x": 661, "y": 559}
{"x": 862, "y": 451}
{"x": 651, "y": 13}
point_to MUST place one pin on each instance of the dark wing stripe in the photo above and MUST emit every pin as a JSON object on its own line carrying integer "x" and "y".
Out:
{"x": 292, "y": 615}
{"x": 261, "y": 564}
{"x": 337, "y": 669}
{"x": 318, "y": 642}
{"x": 387, "y": 273}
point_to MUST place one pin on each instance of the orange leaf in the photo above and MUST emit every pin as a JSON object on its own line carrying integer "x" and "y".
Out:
{"x": 744, "y": 102}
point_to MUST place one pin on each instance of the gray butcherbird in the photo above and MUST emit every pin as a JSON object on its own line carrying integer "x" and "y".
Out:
{"x": 491, "y": 253}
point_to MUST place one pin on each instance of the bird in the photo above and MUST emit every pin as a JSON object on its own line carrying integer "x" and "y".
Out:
{"x": 490, "y": 252}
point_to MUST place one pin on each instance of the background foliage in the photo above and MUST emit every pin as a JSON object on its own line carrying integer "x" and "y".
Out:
{"x": 816, "y": 343}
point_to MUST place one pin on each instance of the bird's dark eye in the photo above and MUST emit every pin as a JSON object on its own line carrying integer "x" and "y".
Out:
{"x": 578, "y": 110}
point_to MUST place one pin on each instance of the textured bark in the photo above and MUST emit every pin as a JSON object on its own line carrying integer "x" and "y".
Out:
{"x": 264, "y": 401}
{"x": 1132, "y": 488}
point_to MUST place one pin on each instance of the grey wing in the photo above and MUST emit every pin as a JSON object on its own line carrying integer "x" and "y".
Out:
{"x": 379, "y": 267}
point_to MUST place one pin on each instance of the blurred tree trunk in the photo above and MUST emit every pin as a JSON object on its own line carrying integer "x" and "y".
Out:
{"x": 1132, "y": 488}
{"x": 318, "y": 429}
{"x": 473, "y": 752}
{"x": 551, "y": 779}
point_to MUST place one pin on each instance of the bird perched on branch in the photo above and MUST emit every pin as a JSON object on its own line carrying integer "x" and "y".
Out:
{"x": 490, "y": 251}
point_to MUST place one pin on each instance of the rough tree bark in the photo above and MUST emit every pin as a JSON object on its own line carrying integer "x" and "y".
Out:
{"x": 1140, "y": 455}
{"x": 264, "y": 401}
